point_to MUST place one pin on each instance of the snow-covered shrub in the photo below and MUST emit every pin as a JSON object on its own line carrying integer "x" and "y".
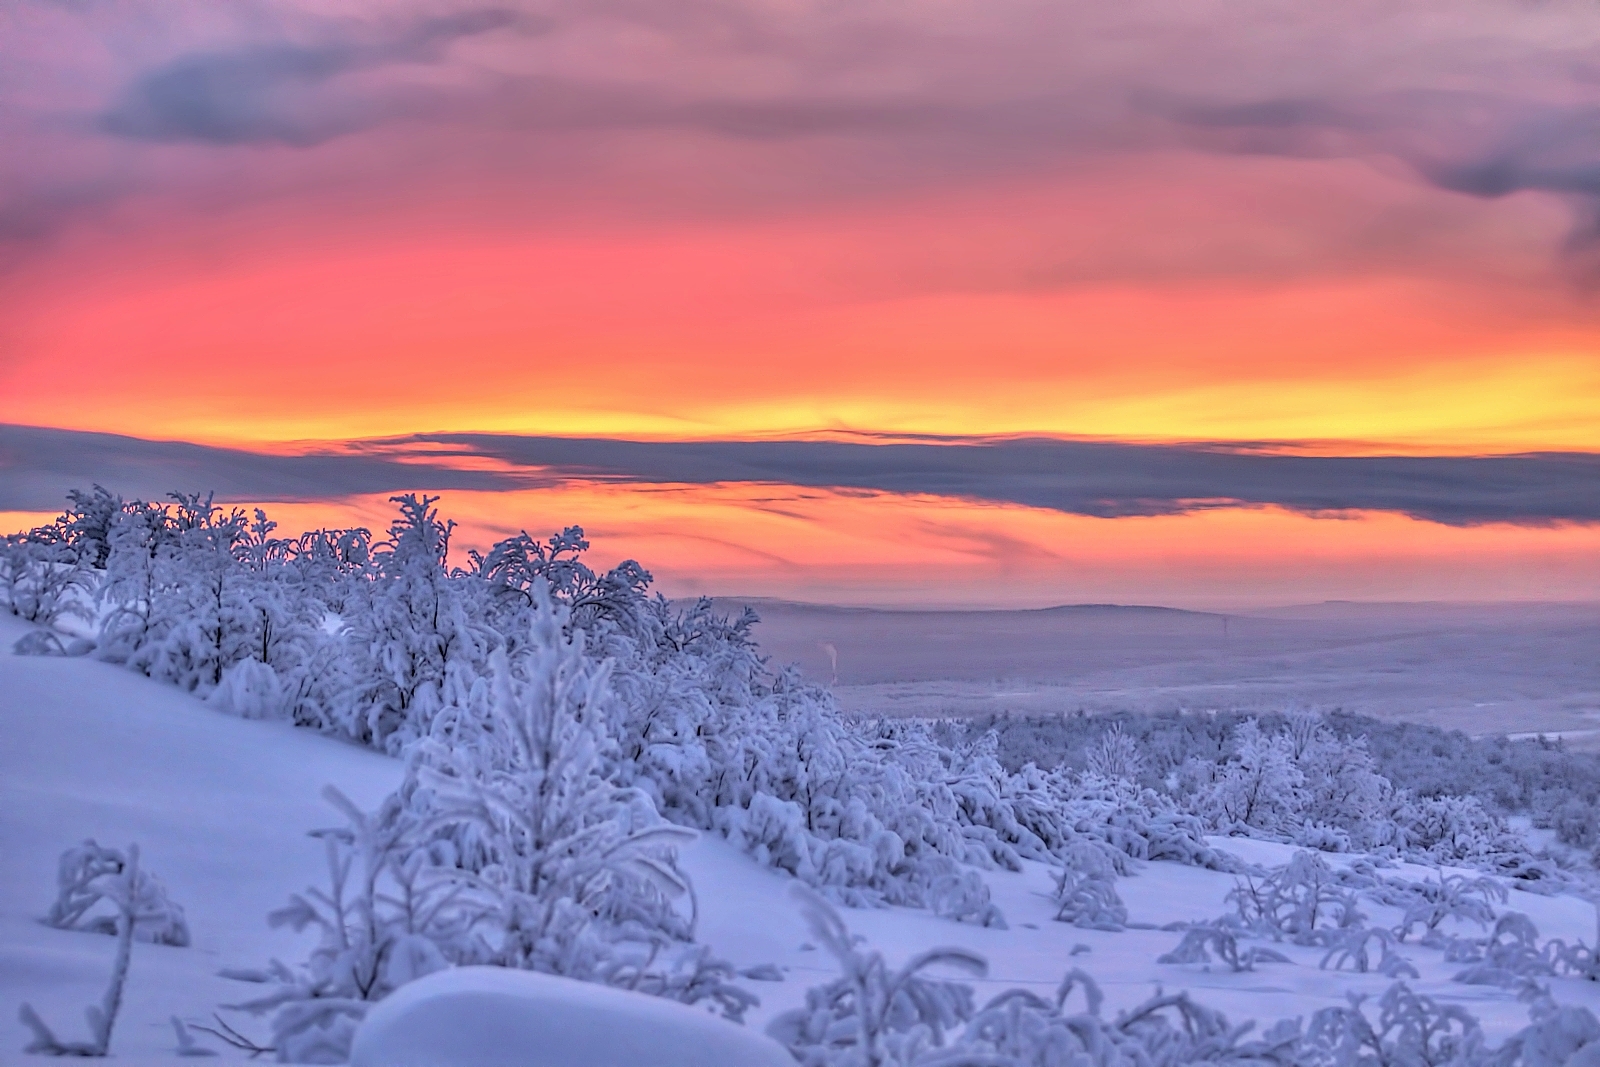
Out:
{"x": 1512, "y": 957}
{"x": 1411, "y": 1029}
{"x": 48, "y": 574}
{"x": 577, "y": 874}
{"x": 130, "y": 897}
{"x": 616, "y": 599}
{"x": 251, "y": 689}
{"x": 1454, "y": 896}
{"x": 517, "y": 781}
{"x": 1221, "y": 937}
{"x": 50, "y": 643}
{"x": 1020, "y": 1027}
{"x": 195, "y": 620}
{"x": 1576, "y": 822}
{"x": 1344, "y": 795}
{"x": 1351, "y": 948}
{"x": 1322, "y": 837}
{"x": 387, "y": 916}
{"x": 42, "y": 580}
{"x": 1554, "y": 1037}
{"x": 1450, "y": 829}
{"x": 882, "y": 1017}
{"x": 1259, "y": 788}
{"x": 872, "y": 1015}
{"x": 1304, "y": 901}
{"x": 97, "y": 888}
{"x": 964, "y": 896}
{"x": 128, "y": 592}
{"x": 1115, "y": 756}
{"x": 411, "y": 635}
{"x": 1086, "y": 889}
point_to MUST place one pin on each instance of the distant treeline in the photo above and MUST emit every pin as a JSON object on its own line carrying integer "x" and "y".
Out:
{"x": 1539, "y": 777}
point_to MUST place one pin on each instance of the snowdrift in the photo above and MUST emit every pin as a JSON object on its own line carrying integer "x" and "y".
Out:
{"x": 495, "y": 1017}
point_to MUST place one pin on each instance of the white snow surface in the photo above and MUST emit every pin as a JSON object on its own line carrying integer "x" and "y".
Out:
{"x": 494, "y": 1017}
{"x": 221, "y": 808}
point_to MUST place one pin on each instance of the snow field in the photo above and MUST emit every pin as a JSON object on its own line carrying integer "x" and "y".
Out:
{"x": 221, "y": 808}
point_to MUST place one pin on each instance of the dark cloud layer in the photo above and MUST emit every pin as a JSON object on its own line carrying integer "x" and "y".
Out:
{"x": 1482, "y": 144}
{"x": 1095, "y": 478}
{"x": 38, "y": 465}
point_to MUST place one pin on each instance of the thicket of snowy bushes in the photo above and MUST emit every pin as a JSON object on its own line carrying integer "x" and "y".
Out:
{"x": 1308, "y": 902}
{"x": 875, "y": 1016}
{"x": 1455, "y": 786}
{"x": 563, "y": 731}
{"x": 382, "y": 642}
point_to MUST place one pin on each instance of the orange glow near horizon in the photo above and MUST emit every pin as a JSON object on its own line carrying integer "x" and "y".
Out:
{"x": 880, "y": 549}
{"x": 688, "y": 334}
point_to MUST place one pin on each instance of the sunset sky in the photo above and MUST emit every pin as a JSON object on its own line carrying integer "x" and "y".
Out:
{"x": 1220, "y": 303}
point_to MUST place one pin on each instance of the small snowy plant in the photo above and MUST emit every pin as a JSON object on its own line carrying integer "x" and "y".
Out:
{"x": 1221, "y": 938}
{"x": 386, "y": 917}
{"x": 1410, "y": 1029}
{"x": 97, "y": 887}
{"x": 1116, "y": 756}
{"x": 42, "y": 578}
{"x": 1302, "y": 901}
{"x": 1086, "y": 889}
{"x": 130, "y": 891}
{"x": 1353, "y": 949}
{"x": 874, "y": 1015}
{"x": 1454, "y": 897}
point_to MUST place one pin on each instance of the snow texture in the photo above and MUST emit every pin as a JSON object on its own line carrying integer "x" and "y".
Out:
{"x": 495, "y": 1017}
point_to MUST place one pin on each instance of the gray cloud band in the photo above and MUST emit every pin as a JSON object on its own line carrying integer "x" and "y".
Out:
{"x": 1104, "y": 479}
{"x": 1481, "y": 144}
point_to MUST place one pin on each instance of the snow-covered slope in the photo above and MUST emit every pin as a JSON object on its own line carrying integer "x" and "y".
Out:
{"x": 221, "y": 808}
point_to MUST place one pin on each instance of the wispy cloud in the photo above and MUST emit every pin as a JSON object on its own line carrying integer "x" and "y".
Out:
{"x": 1483, "y": 142}
{"x": 1486, "y": 98}
{"x": 278, "y": 92}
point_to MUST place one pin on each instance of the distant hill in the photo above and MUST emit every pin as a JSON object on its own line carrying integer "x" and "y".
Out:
{"x": 800, "y": 606}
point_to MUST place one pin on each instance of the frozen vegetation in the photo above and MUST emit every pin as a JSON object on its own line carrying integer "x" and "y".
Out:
{"x": 553, "y": 755}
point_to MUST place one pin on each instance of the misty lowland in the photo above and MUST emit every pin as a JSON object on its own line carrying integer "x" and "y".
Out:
{"x": 351, "y": 796}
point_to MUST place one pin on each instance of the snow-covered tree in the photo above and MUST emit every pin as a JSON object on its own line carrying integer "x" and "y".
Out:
{"x": 1261, "y": 787}
{"x": 412, "y": 636}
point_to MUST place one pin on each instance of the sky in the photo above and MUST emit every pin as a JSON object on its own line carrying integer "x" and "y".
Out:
{"x": 1012, "y": 303}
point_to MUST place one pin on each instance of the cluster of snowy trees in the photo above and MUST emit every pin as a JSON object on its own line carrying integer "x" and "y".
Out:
{"x": 1337, "y": 782}
{"x": 382, "y": 642}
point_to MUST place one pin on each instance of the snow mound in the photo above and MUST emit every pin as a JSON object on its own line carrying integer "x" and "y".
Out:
{"x": 494, "y": 1017}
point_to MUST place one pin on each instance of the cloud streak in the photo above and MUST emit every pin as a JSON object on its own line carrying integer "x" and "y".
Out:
{"x": 1484, "y": 144}
{"x": 278, "y": 92}
{"x": 1484, "y": 99}
{"x": 1093, "y": 478}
